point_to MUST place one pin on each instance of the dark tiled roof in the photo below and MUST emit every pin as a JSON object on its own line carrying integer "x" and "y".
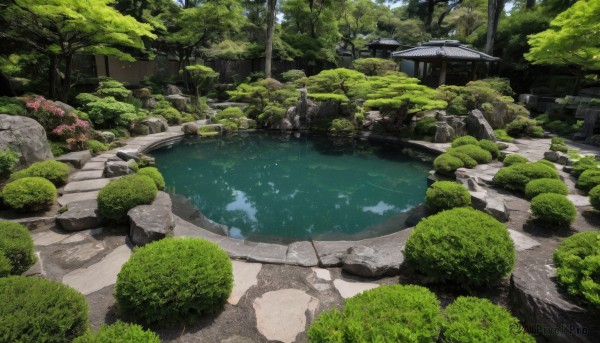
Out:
{"x": 385, "y": 41}
{"x": 449, "y": 50}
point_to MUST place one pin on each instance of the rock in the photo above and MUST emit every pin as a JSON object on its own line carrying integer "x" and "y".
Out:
{"x": 190, "y": 129}
{"x": 478, "y": 126}
{"x": 350, "y": 289}
{"x": 568, "y": 169}
{"x": 522, "y": 241}
{"x": 285, "y": 124}
{"x": 77, "y": 159}
{"x": 27, "y": 137}
{"x": 245, "y": 275}
{"x": 371, "y": 118}
{"x": 173, "y": 90}
{"x": 155, "y": 125}
{"x": 552, "y": 156}
{"x": 128, "y": 155}
{"x": 368, "y": 262}
{"x": 416, "y": 214}
{"x": 564, "y": 159}
{"x": 479, "y": 199}
{"x": 323, "y": 274}
{"x": 497, "y": 208}
{"x": 85, "y": 186}
{"x": 537, "y": 300}
{"x": 116, "y": 168}
{"x": 142, "y": 93}
{"x": 105, "y": 136}
{"x": 301, "y": 254}
{"x": 444, "y": 133}
{"x": 148, "y": 223}
{"x": 65, "y": 107}
{"x": 243, "y": 124}
{"x": 81, "y": 215}
{"x": 459, "y": 125}
{"x": 178, "y": 101}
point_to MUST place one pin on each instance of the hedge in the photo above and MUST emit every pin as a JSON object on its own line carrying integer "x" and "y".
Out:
{"x": 517, "y": 176}
{"x": 553, "y": 209}
{"x": 514, "y": 159}
{"x": 29, "y": 194}
{"x": 53, "y": 171}
{"x": 16, "y": 246}
{"x": 539, "y": 186}
{"x": 444, "y": 195}
{"x": 121, "y": 195}
{"x": 155, "y": 175}
{"x": 119, "y": 332}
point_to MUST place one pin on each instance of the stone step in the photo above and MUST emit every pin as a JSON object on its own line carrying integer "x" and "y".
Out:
{"x": 85, "y": 186}
{"x": 93, "y": 166}
{"x": 87, "y": 175}
{"x": 68, "y": 198}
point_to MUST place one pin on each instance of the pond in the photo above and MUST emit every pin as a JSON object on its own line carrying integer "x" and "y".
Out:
{"x": 264, "y": 186}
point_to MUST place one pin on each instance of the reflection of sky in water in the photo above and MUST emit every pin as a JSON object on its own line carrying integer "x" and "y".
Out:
{"x": 241, "y": 203}
{"x": 379, "y": 209}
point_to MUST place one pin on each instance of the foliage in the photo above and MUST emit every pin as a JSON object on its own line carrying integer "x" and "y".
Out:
{"x": 231, "y": 113}
{"x": 468, "y": 161}
{"x": 595, "y": 197}
{"x": 346, "y": 82}
{"x": 577, "y": 266}
{"x": 475, "y": 152}
{"x": 113, "y": 88}
{"x": 445, "y": 195}
{"x": 514, "y": 159}
{"x": 11, "y": 106}
{"x": 228, "y": 125}
{"x": 53, "y": 171}
{"x": 35, "y": 309}
{"x": 447, "y": 164}
{"x": 588, "y": 179}
{"x": 473, "y": 320}
{"x": 584, "y": 163}
{"x": 547, "y": 163}
{"x": 272, "y": 114}
{"x": 342, "y": 126}
{"x": 166, "y": 110}
{"x": 558, "y": 144}
{"x": 464, "y": 140}
{"x": 29, "y": 194}
{"x": 490, "y": 146}
{"x": 553, "y": 209}
{"x": 57, "y": 148}
{"x": 503, "y": 136}
{"x": 539, "y": 186}
{"x": 524, "y": 127}
{"x": 106, "y": 112}
{"x": 374, "y": 66}
{"x": 426, "y": 127}
{"x": 293, "y": 75}
{"x": 96, "y": 146}
{"x": 121, "y": 195}
{"x": 155, "y": 175}
{"x": 8, "y": 160}
{"x": 174, "y": 280}
{"x": 16, "y": 246}
{"x": 201, "y": 76}
{"x": 517, "y": 176}
{"x": 395, "y": 313}
{"x": 462, "y": 246}
{"x": 5, "y": 266}
{"x": 119, "y": 332}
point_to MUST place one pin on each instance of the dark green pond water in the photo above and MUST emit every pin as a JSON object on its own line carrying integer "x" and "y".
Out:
{"x": 295, "y": 187}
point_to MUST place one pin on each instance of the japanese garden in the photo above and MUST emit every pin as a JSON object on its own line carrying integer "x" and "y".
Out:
{"x": 320, "y": 171}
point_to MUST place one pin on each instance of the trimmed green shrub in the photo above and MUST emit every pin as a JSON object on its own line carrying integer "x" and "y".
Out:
{"x": 524, "y": 127}
{"x": 553, "y": 209}
{"x": 514, "y": 159}
{"x": 517, "y": 176}
{"x": 595, "y": 197}
{"x": 462, "y": 246}
{"x": 57, "y": 148}
{"x": 119, "y": 332}
{"x": 503, "y": 136}
{"x": 426, "y": 127}
{"x": 558, "y": 144}
{"x": 39, "y": 310}
{"x": 464, "y": 140}
{"x": 342, "y": 126}
{"x": 292, "y": 75}
{"x": 96, "y": 146}
{"x": 29, "y": 194}
{"x": 395, "y": 313}
{"x": 474, "y": 320}
{"x": 8, "y": 160}
{"x": 490, "y": 146}
{"x": 577, "y": 266}
{"x": 231, "y": 113}
{"x": 583, "y": 164}
{"x": 5, "y": 266}
{"x": 447, "y": 164}
{"x": 155, "y": 175}
{"x": 475, "y": 152}
{"x": 121, "y": 195}
{"x": 174, "y": 280}
{"x": 547, "y": 163}
{"x": 588, "y": 179}
{"x": 540, "y": 186}
{"x": 228, "y": 125}
{"x": 16, "y": 246}
{"x": 468, "y": 161}
{"x": 53, "y": 171}
{"x": 444, "y": 195}
{"x": 12, "y": 106}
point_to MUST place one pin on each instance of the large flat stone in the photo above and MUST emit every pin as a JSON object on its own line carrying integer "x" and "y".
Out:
{"x": 185, "y": 229}
{"x": 301, "y": 254}
{"x": 80, "y": 215}
{"x": 82, "y": 252}
{"x": 48, "y": 237}
{"x": 72, "y": 197}
{"x": 77, "y": 159}
{"x": 369, "y": 262}
{"x": 85, "y": 186}
{"x": 102, "y": 274}
{"x": 93, "y": 166}
{"x": 87, "y": 175}
{"x": 522, "y": 241}
{"x": 350, "y": 289}
{"x": 148, "y": 223}
{"x": 245, "y": 275}
{"x": 237, "y": 248}
{"x": 282, "y": 315}
{"x": 332, "y": 253}
{"x": 322, "y": 274}
{"x": 579, "y": 200}
{"x": 268, "y": 253}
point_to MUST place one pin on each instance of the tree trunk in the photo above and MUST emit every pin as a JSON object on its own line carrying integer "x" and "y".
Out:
{"x": 52, "y": 76}
{"x": 66, "y": 82}
{"x": 495, "y": 8}
{"x": 529, "y": 4}
{"x": 271, "y": 4}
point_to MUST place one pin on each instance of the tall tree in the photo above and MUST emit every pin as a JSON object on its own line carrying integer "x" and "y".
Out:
{"x": 272, "y": 8}
{"x": 495, "y": 8}
{"x": 59, "y": 29}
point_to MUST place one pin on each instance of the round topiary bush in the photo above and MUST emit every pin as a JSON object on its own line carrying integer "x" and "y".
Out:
{"x": 121, "y": 195}
{"x": 577, "y": 266}
{"x": 29, "y": 194}
{"x": 547, "y": 163}
{"x": 53, "y": 171}
{"x": 517, "y": 176}
{"x": 174, "y": 280}
{"x": 539, "y": 186}
{"x": 444, "y": 195}
{"x": 595, "y": 197}
{"x": 588, "y": 179}
{"x": 475, "y": 152}
{"x": 39, "y": 310}
{"x": 447, "y": 164}
{"x": 385, "y": 314}
{"x": 514, "y": 159}
{"x": 16, "y": 246}
{"x": 464, "y": 140}
{"x": 490, "y": 146}
{"x": 474, "y": 320}
{"x": 553, "y": 209}
{"x": 119, "y": 332}
{"x": 155, "y": 175}
{"x": 462, "y": 246}
{"x": 5, "y": 266}
{"x": 468, "y": 161}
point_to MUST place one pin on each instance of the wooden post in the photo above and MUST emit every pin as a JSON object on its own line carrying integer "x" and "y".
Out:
{"x": 416, "y": 69}
{"x": 443, "y": 73}
{"x": 473, "y": 71}
{"x": 425, "y": 70}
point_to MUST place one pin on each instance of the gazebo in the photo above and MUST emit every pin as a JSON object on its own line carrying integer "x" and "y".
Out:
{"x": 382, "y": 47}
{"x": 440, "y": 53}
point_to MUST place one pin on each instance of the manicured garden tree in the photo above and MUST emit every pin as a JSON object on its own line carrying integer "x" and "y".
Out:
{"x": 29, "y": 194}
{"x": 35, "y": 309}
{"x": 173, "y": 281}
{"x": 445, "y": 195}
{"x": 374, "y": 66}
{"x": 461, "y": 246}
{"x": 395, "y": 313}
{"x": 201, "y": 76}
{"x": 341, "y": 85}
{"x": 342, "y": 126}
{"x": 474, "y": 320}
{"x": 577, "y": 266}
{"x": 119, "y": 332}
{"x": 16, "y": 247}
{"x": 121, "y": 195}
{"x": 553, "y": 210}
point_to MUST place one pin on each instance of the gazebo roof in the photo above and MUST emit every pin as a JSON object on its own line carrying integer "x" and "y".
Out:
{"x": 384, "y": 42}
{"x": 444, "y": 50}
